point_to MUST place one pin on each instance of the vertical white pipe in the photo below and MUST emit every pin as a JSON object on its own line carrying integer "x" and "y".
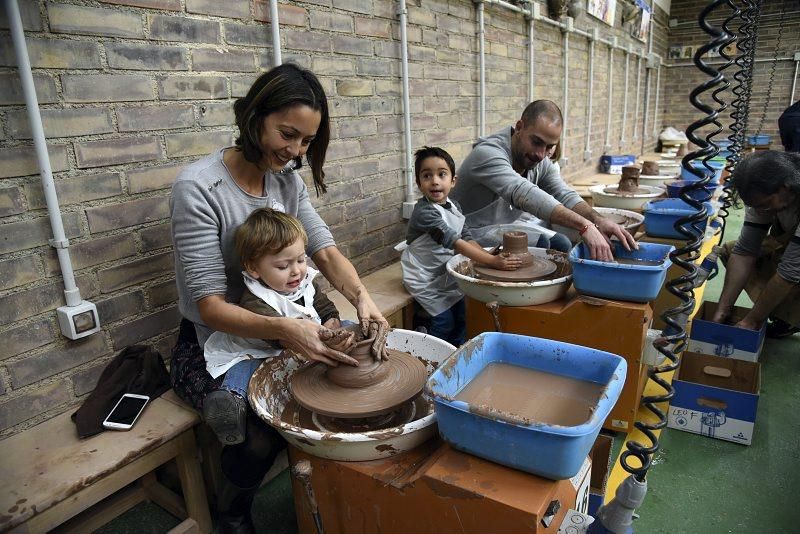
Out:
{"x": 482, "y": 75}
{"x": 409, "y": 167}
{"x": 71, "y": 292}
{"x": 276, "y": 32}
{"x": 587, "y": 150}
{"x": 565, "y": 105}
{"x": 638, "y": 97}
{"x": 531, "y": 55}
{"x": 646, "y": 106}
{"x": 625, "y": 99}
{"x": 655, "y": 104}
{"x": 794, "y": 82}
{"x": 607, "y": 146}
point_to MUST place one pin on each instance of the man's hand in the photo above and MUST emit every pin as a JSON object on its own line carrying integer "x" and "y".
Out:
{"x": 374, "y": 326}
{"x": 609, "y": 228}
{"x": 598, "y": 244}
{"x": 749, "y": 324}
{"x": 721, "y": 315}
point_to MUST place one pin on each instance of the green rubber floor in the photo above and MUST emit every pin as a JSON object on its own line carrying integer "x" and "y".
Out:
{"x": 696, "y": 485}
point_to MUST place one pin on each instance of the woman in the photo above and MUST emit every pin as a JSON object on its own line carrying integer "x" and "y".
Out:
{"x": 283, "y": 117}
{"x": 765, "y": 259}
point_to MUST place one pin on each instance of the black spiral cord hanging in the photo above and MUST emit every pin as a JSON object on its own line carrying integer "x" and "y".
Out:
{"x": 671, "y": 345}
{"x": 772, "y": 68}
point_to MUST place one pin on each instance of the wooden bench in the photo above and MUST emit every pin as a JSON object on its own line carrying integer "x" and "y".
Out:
{"x": 52, "y": 478}
{"x": 385, "y": 286}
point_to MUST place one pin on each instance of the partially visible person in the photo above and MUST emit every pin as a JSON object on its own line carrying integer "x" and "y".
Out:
{"x": 510, "y": 172}
{"x": 435, "y": 233}
{"x": 283, "y": 122}
{"x": 765, "y": 259}
{"x": 789, "y": 128}
{"x": 278, "y": 283}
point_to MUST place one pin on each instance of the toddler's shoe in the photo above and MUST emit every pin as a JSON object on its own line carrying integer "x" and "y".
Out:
{"x": 226, "y": 413}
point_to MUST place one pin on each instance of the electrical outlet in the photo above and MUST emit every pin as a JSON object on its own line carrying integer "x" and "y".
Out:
{"x": 408, "y": 209}
{"x": 797, "y": 56}
{"x": 78, "y": 321}
{"x": 587, "y": 155}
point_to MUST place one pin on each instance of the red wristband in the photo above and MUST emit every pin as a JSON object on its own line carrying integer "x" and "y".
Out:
{"x": 585, "y": 227}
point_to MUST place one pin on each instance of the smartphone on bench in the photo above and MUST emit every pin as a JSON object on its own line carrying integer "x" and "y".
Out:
{"x": 125, "y": 413}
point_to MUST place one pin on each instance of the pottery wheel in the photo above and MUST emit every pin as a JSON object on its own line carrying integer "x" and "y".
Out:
{"x": 539, "y": 268}
{"x": 612, "y": 190}
{"x": 403, "y": 380}
{"x": 617, "y": 218}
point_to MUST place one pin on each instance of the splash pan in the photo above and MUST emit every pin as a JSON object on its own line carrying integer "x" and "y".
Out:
{"x": 606, "y": 196}
{"x": 514, "y": 293}
{"x": 359, "y": 440}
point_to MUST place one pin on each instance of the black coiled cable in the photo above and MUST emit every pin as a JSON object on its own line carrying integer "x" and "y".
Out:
{"x": 690, "y": 227}
{"x": 772, "y": 68}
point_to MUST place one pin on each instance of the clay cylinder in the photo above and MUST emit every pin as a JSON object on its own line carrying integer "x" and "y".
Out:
{"x": 650, "y": 168}
{"x": 516, "y": 244}
{"x": 367, "y": 373}
{"x": 631, "y": 171}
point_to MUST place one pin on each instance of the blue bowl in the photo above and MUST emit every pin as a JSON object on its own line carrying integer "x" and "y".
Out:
{"x": 702, "y": 194}
{"x": 621, "y": 281}
{"x": 552, "y": 451}
{"x": 660, "y": 217}
{"x": 698, "y": 164}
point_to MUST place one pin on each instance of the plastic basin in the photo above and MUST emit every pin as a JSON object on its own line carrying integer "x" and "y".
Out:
{"x": 717, "y": 166}
{"x": 702, "y": 194}
{"x": 660, "y": 217}
{"x": 552, "y": 451}
{"x": 621, "y": 281}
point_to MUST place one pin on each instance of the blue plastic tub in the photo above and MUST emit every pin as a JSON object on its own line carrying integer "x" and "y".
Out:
{"x": 621, "y": 281}
{"x": 698, "y": 164}
{"x": 702, "y": 194}
{"x": 551, "y": 451}
{"x": 759, "y": 140}
{"x": 660, "y": 217}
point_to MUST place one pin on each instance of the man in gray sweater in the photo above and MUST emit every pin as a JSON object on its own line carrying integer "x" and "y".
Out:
{"x": 509, "y": 173}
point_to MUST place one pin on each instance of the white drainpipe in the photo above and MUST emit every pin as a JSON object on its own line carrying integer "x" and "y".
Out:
{"x": 276, "y": 32}
{"x": 625, "y": 99}
{"x": 638, "y": 98}
{"x": 79, "y": 317}
{"x": 532, "y": 55}
{"x": 607, "y": 146}
{"x": 408, "y": 170}
{"x": 655, "y": 104}
{"x": 482, "y": 73}
{"x": 567, "y": 28}
{"x": 587, "y": 150}
{"x": 794, "y": 79}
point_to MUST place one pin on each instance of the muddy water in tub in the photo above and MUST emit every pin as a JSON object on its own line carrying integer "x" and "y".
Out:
{"x": 533, "y": 395}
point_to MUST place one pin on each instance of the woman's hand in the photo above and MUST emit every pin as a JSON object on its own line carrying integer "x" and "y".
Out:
{"x": 373, "y": 325}
{"x": 505, "y": 263}
{"x": 609, "y": 228}
{"x": 721, "y": 315}
{"x": 305, "y": 338}
{"x": 748, "y": 323}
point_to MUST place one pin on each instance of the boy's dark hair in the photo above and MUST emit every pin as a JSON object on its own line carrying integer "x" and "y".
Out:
{"x": 764, "y": 173}
{"x": 282, "y": 87}
{"x": 432, "y": 152}
{"x": 266, "y": 231}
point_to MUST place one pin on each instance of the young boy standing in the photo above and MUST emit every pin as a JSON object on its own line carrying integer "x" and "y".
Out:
{"x": 278, "y": 283}
{"x": 435, "y": 231}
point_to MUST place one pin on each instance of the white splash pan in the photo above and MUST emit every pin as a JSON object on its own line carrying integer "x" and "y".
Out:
{"x": 635, "y": 202}
{"x": 657, "y": 180}
{"x": 272, "y": 393}
{"x": 632, "y": 227}
{"x": 512, "y": 293}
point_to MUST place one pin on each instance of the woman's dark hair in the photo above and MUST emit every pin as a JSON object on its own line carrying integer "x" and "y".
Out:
{"x": 764, "y": 173}
{"x": 282, "y": 87}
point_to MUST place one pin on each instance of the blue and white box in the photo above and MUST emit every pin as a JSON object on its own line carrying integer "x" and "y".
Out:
{"x": 715, "y": 397}
{"x": 614, "y": 164}
{"x": 728, "y": 341}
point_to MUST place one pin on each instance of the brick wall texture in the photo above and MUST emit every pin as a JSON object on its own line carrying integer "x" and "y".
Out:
{"x": 132, "y": 90}
{"x": 684, "y": 76}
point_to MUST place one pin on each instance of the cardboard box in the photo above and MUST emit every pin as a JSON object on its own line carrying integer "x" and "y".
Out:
{"x": 601, "y": 469}
{"x": 707, "y": 337}
{"x": 716, "y": 397}
{"x": 614, "y": 164}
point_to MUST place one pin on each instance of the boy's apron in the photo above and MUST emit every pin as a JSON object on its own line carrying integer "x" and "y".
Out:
{"x": 424, "y": 273}
{"x": 222, "y": 351}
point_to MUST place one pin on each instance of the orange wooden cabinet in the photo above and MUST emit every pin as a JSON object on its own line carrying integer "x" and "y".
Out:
{"x": 613, "y": 326}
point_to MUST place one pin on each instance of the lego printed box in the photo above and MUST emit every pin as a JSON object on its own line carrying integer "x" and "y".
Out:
{"x": 707, "y": 337}
{"x": 614, "y": 164}
{"x": 716, "y": 397}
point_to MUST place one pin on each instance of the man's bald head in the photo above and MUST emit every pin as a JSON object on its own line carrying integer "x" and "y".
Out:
{"x": 542, "y": 109}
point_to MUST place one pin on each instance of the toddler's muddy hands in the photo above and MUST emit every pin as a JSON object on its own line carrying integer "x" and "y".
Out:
{"x": 506, "y": 263}
{"x": 340, "y": 340}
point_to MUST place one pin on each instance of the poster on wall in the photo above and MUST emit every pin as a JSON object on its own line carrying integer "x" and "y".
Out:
{"x": 604, "y": 10}
{"x": 642, "y": 26}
